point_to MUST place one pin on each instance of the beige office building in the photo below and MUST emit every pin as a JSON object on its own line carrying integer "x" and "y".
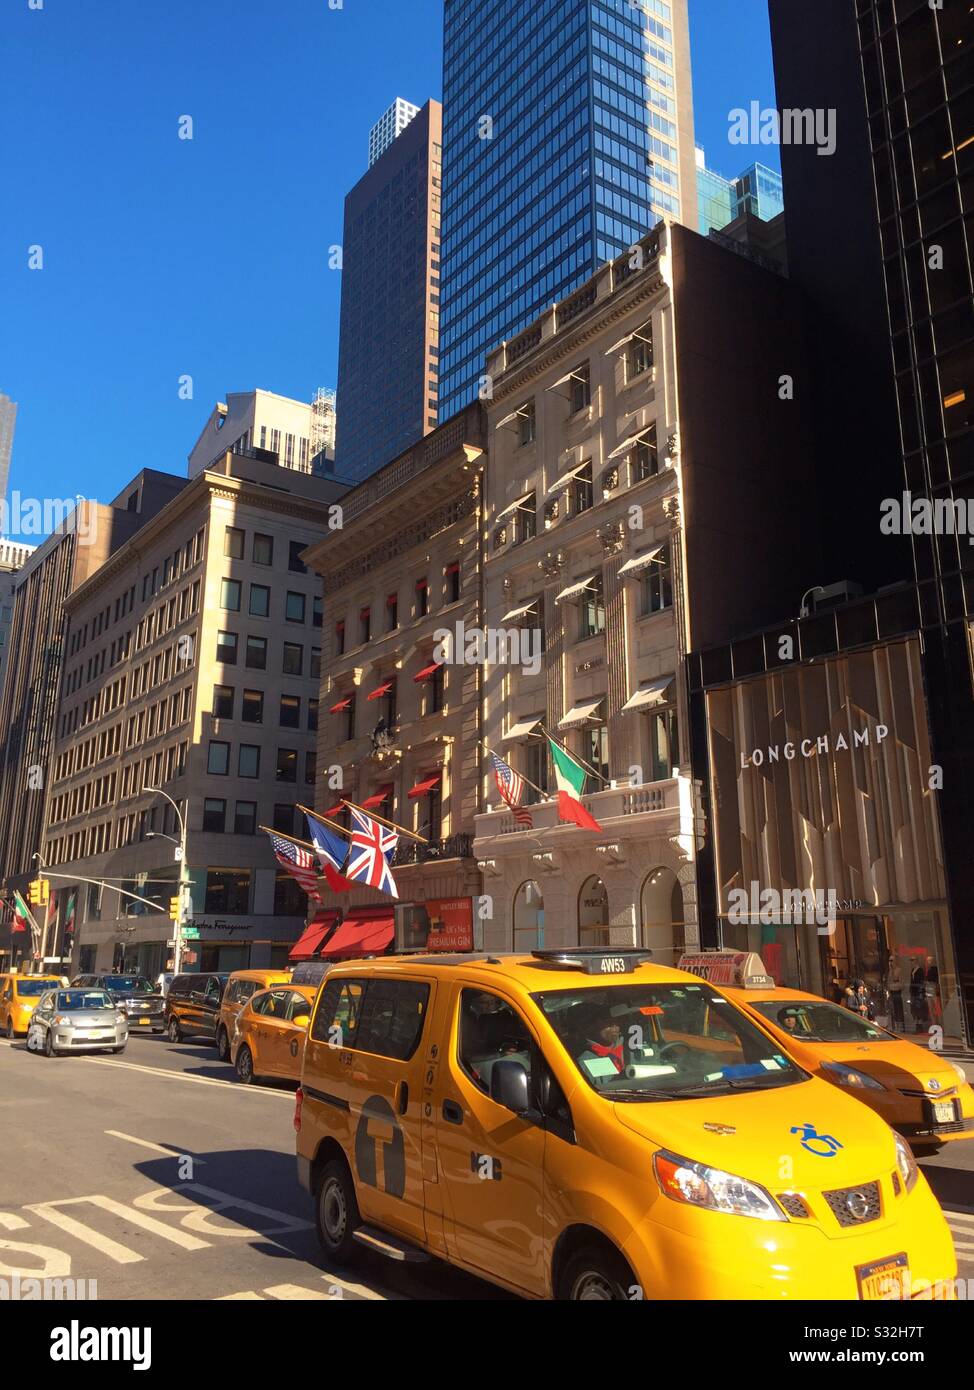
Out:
{"x": 191, "y": 668}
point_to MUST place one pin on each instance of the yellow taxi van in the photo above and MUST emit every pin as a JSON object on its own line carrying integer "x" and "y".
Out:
{"x": 242, "y": 986}
{"x": 269, "y": 1034}
{"x": 589, "y": 1125}
{"x": 19, "y": 997}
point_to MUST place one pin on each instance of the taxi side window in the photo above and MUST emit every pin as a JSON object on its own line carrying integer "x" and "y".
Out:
{"x": 391, "y": 1020}
{"x": 296, "y": 1006}
{"x": 276, "y": 1003}
{"x": 336, "y": 1021}
{"x": 8, "y": 992}
{"x": 490, "y": 1031}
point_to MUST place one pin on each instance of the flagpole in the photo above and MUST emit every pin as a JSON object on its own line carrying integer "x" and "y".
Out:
{"x": 545, "y": 796}
{"x": 389, "y": 824}
{"x": 574, "y": 756}
{"x": 291, "y": 839}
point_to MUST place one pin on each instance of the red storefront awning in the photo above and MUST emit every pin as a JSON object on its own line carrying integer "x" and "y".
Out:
{"x": 335, "y": 810}
{"x": 421, "y": 788}
{"x": 427, "y": 671}
{"x": 342, "y": 705}
{"x": 382, "y": 690}
{"x": 366, "y": 931}
{"x": 306, "y": 946}
{"x": 383, "y": 794}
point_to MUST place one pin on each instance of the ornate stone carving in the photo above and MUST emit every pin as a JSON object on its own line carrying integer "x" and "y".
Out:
{"x": 553, "y": 563}
{"x": 612, "y": 537}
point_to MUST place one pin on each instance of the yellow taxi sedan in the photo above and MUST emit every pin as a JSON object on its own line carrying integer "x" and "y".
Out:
{"x": 19, "y": 997}
{"x": 918, "y": 1092}
{"x": 269, "y": 1034}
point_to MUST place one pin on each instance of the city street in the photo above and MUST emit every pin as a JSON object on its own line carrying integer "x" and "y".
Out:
{"x": 157, "y": 1175}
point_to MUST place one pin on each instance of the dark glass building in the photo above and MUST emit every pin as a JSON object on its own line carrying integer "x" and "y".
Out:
{"x": 567, "y": 133}
{"x": 387, "y": 362}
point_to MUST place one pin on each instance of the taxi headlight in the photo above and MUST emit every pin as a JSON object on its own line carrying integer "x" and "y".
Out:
{"x": 848, "y": 1076}
{"x": 698, "y": 1185}
{"x": 906, "y": 1163}
{"x": 962, "y": 1074}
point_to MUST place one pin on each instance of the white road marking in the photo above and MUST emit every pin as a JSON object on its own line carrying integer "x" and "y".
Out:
{"x": 121, "y": 1254}
{"x": 962, "y": 1216}
{"x": 295, "y": 1291}
{"x": 197, "y": 1080}
{"x": 231, "y": 1297}
{"x": 298, "y": 1292}
{"x": 197, "y": 1216}
{"x": 156, "y": 1148}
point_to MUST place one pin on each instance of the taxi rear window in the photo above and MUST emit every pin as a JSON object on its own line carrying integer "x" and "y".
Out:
{"x": 384, "y": 1017}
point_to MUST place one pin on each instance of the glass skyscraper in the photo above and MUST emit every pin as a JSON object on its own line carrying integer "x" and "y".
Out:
{"x": 567, "y": 133}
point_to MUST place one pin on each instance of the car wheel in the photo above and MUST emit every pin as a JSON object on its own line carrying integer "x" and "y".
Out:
{"x": 119, "y": 1049}
{"x": 174, "y": 1031}
{"x": 49, "y": 1049}
{"x": 336, "y": 1212}
{"x": 245, "y": 1067}
{"x": 9, "y": 1030}
{"x": 598, "y": 1275}
{"x": 223, "y": 1045}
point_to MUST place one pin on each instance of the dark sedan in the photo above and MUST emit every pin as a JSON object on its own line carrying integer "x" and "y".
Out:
{"x": 142, "y": 1002}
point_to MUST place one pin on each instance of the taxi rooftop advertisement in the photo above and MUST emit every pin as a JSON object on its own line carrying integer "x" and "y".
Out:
{"x": 486, "y": 673}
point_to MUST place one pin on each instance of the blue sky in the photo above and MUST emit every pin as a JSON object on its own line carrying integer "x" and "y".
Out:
{"x": 209, "y": 257}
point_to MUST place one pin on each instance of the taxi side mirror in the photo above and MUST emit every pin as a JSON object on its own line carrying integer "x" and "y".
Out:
{"x": 510, "y": 1086}
{"x": 301, "y": 1021}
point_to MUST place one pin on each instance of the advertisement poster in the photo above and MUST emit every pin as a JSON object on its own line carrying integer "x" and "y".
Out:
{"x": 451, "y": 924}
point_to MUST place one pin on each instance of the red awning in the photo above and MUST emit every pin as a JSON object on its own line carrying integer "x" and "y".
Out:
{"x": 342, "y": 705}
{"x": 421, "y": 788}
{"x": 364, "y": 612}
{"x": 383, "y": 794}
{"x": 306, "y": 946}
{"x": 335, "y": 810}
{"x": 366, "y": 931}
{"x": 382, "y": 690}
{"x": 427, "y": 671}
{"x": 392, "y": 600}
{"x": 452, "y": 569}
{"x": 422, "y": 583}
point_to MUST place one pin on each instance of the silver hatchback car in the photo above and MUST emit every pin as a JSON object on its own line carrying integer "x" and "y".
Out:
{"x": 77, "y": 1020}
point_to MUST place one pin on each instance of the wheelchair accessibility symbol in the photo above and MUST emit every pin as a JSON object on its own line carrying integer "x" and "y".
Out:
{"x": 821, "y": 1145}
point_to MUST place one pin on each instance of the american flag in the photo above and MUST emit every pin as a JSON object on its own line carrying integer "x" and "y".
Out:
{"x": 511, "y": 787}
{"x": 371, "y": 849}
{"x": 299, "y": 863}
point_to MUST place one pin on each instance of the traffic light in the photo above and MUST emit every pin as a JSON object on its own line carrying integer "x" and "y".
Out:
{"x": 174, "y": 909}
{"x": 45, "y": 888}
{"x": 38, "y": 892}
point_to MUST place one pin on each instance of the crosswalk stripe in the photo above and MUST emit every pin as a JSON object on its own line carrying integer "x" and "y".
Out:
{"x": 295, "y": 1291}
{"x": 962, "y": 1217}
{"x": 236, "y": 1297}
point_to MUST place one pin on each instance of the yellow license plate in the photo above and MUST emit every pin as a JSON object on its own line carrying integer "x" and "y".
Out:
{"x": 885, "y": 1279}
{"x": 145, "y": 1020}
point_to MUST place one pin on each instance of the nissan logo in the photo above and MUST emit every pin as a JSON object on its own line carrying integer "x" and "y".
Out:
{"x": 857, "y": 1205}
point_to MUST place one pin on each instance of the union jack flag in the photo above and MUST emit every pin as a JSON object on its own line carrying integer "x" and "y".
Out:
{"x": 370, "y": 852}
{"x": 511, "y": 787}
{"x": 299, "y": 863}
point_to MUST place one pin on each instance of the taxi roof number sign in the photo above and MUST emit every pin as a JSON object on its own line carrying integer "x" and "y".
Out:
{"x": 592, "y": 960}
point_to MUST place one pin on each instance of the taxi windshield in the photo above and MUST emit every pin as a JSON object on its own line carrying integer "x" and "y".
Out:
{"x": 70, "y": 999}
{"x": 663, "y": 1042}
{"x": 128, "y": 984}
{"x": 819, "y": 1021}
{"x": 30, "y": 989}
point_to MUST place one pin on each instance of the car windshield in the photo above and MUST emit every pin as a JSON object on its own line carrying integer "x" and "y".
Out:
{"x": 819, "y": 1021}
{"x": 663, "y": 1042}
{"x": 30, "y": 989}
{"x": 128, "y": 984}
{"x": 69, "y": 1000}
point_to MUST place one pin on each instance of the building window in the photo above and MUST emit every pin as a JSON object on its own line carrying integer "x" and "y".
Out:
{"x": 223, "y": 702}
{"x": 230, "y": 595}
{"x": 293, "y": 663}
{"x": 527, "y": 424}
{"x": 227, "y": 891}
{"x": 226, "y": 648}
{"x": 591, "y": 615}
{"x": 263, "y": 549}
{"x": 434, "y": 698}
{"x": 218, "y": 759}
{"x": 309, "y": 768}
{"x": 214, "y": 815}
{"x": 664, "y": 746}
{"x": 535, "y": 770}
{"x": 284, "y": 819}
{"x": 339, "y": 639}
{"x": 312, "y": 715}
{"x": 595, "y": 743}
{"x": 581, "y": 491}
{"x": 260, "y": 601}
{"x": 645, "y": 456}
{"x": 581, "y": 384}
{"x": 528, "y": 917}
{"x": 365, "y": 625}
{"x": 525, "y": 519}
{"x": 294, "y": 562}
{"x": 245, "y": 818}
{"x": 233, "y": 545}
{"x": 657, "y": 585}
{"x": 422, "y": 598}
{"x": 350, "y": 721}
{"x": 290, "y": 712}
{"x": 248, "y": 761}
{"x": 287, "y": 765}
{"x": 431, "y": 815}
{"x": 392, "y": 612}
{"x": 252, "y": 711}
{"x": 453, "y": 582}
{"x": 315, "y": 664}
{"x": 290, "y": 899}
{"x": 256, "y": 653}
{"x": 294, "y": 607}
{"x": 639, "y": 355}
{"x": 316, "y": 612}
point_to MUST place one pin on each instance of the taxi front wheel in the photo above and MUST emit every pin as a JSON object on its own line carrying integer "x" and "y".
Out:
{"x": 597, "y": 1275}
{"x": 9, "y": 1030}
{"x": 336, "y": 1212}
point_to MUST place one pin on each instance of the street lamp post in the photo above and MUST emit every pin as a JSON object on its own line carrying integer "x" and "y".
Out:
{"x": 183, "y": 878}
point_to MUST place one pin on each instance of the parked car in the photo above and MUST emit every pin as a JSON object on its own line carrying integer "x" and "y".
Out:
{"x": 19, "y": 996}
{"x": 139, "y": 998}
{"x": 193, "y": 1005}
{"x": 77, "y": 1020}
{"x": 242, "y": 986}
{"x": 270, "y": 1033}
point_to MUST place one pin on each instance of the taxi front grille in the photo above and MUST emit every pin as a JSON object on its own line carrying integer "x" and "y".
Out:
{"x": 930, "y": 1095}
{"x": 897, "y": 1185}
{"x": 854, "y": 1206}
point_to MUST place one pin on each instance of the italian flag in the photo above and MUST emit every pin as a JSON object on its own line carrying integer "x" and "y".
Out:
{"x": 69, "y": 912}
{"x": 570, "y": 776}
{"x": 22, "y": 918}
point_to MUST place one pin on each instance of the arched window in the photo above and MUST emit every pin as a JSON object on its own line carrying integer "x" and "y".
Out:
{"x": 593, "y": 913}
{"x": 528, "y": 917}
{"x": 662, "y": 916}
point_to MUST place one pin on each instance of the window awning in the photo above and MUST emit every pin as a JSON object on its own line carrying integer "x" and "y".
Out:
{"x": 574, "y": 374}
{"x": 334, "y": 811}
{"x": 306, "y": 946}
{"x": 513, "y": 507}
{"x": 574, "y": 590}
{"x": 581, "y": 714}
{"x": 566, "y": 478}
{"x": 522, "y": 729}
{"x": 654, "y": 693}
{"x": 392, "y": 600}
{"x": 341, "y": 705}
{"x": 377, "y": 799}
{"x": 640, "y": 562}
{"x": 531, "y": 607}
{"x": 365, "y": 932}
{"x": 381, "y": 690}
{"x": 422, "y": 584}
{"x": 452, "y": 568}
{"x": 424, "y": 787}
{"x": 624, "y": 342}
{"x": 427, "y": 672}
{"x": 365, "y": 612}
{"x": 629, "y": 443}
{"x": 521, "y": 411}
